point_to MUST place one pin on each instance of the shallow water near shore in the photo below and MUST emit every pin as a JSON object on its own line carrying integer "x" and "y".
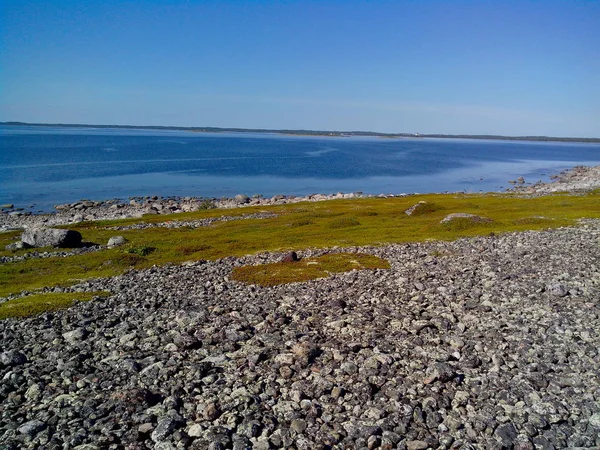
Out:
{"x": 44, "y": 166}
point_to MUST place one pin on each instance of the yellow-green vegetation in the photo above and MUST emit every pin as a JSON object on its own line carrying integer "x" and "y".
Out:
{"x": 39, "y": 303}
{"x": 306, "y": 269}
{"x": 370, "y": 221}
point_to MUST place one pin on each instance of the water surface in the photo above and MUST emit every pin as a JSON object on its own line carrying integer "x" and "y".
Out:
{"x": 44, "y": 166}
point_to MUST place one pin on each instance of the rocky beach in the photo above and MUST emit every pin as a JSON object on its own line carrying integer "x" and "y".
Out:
{"x": 487, "y": 342}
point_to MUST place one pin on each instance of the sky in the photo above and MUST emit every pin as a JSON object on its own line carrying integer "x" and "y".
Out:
{"x": 454, "y": 67}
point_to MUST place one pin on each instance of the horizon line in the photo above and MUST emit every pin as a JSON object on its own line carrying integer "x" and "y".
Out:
{"x": 315, "y": 132}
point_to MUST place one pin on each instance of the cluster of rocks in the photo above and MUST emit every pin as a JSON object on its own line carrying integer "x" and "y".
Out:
{"x": 490, "y": 342}
{"x": 190, "y": 223}
{"x": 87, "y": 210}
{"x": 576, "y": 179}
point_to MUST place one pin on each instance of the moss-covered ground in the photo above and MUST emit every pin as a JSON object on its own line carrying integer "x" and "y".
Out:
{"x": 372, "y": 221}
{"x": 38, "y": 303}
{"x": 307, "y": 269}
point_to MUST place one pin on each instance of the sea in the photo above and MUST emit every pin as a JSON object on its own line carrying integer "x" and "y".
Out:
{"x": 42, "y": 166}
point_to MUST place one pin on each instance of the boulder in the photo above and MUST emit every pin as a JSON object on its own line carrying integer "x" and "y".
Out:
{"x": 241, "y": 199}
{"x": 116, "y": 241}
{"x": 472, "y": 217}
{"x": 290, "y": 257}
{"x": 51, "y": 237}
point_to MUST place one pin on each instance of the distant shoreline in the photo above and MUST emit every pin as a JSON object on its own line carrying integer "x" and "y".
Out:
{"x": 319, "y": 133}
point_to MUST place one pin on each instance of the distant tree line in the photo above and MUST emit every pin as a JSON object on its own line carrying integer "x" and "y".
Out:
{"x": 315, "y": 132}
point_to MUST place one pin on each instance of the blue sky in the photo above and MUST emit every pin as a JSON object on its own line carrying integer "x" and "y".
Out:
{"x": 475, "y": 67}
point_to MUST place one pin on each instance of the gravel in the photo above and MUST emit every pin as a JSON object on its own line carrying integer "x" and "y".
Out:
{"x": 489, "y": 342}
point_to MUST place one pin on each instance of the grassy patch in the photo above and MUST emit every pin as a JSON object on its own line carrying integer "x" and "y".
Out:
{"x": 39, "y": 303}
{"x": 344, "y": 222}
{"x": 465, "y": 223}
{"x": 187, "y": 250}
{"x": 422, "y": 208}
{"x": 140, "y": 250}
{"x": 369, "y": 221}
{"x": 301, "y": 223}
{"x": 306, "y": 269}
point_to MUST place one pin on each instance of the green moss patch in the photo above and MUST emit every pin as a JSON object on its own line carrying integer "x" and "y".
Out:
{"x": 352, "y": 222}
{"x": 307, "y": 269}
{"x": 39, "y": 303}
{"x": 344, "y": 222}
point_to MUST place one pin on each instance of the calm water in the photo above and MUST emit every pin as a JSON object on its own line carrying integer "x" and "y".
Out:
{"x": 41, "y": 167}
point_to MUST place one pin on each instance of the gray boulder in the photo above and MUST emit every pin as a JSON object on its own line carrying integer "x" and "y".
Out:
{"x": 116, "y": 241}
{"x": 241, "y": 199}
{"x": 51, "y": 237}
{"x": 472, "y": 217}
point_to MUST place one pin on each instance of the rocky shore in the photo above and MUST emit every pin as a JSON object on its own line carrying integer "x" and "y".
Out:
{"x": 480, "y": 343}
{"x": 577, "y": 179}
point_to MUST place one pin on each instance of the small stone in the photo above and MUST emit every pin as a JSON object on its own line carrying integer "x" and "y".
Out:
{"x": 72, "y": 337}
{"x": 34, "y": 392}
{"x": 595, "y": 420}
{"x": 12, "y": 358}
{"x": 298, "y": 425}
{"x": 558, "y": 290}
{"x": 145, "y": 428}
{"x": 32, "y": 427}
{"x": 166, "y": 425}
{"x": 439, "y": 372}
{"x": 211, "y": 411}
{"x": 416, "y": 445}
{"x": 507, "y": 434}
{"x": 195, "y": 430}
{"x": 336, "y": 392}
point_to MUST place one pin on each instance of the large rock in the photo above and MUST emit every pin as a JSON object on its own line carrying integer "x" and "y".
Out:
{"x": 116, "y": 241}
{"x": 462, "y": 216}
{"x": 241, "y": 199}
{"x": 51, "y": 237}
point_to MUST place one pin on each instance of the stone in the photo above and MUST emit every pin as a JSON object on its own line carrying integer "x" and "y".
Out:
{"x": 595, "y": 420}
{"x": 211, "y": 411}
{"x": 472, "y": 217}
{"x": 241, "y": 199}
{"x": 19, "y": 245}
{"x": 558, "y": 290}
{"x": 290, "y": 257}
{"x": 416, "y": 445}
{"x": 507, "y": 434}
{"x": 32, "y": 427}
{"x": 51, "y": 237}
{"x": 34, "y": 392}
{"x": 72, "y": 337}
{"x": 7, "y": 206}
{"x": 12, "y": 358}
{"x": 439, "y": 372}
{"x": 116, "y": 241}
{"x": 166, "y": 425}
{"x": 195, "y": 430}
{"x": 298, "y": 425}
